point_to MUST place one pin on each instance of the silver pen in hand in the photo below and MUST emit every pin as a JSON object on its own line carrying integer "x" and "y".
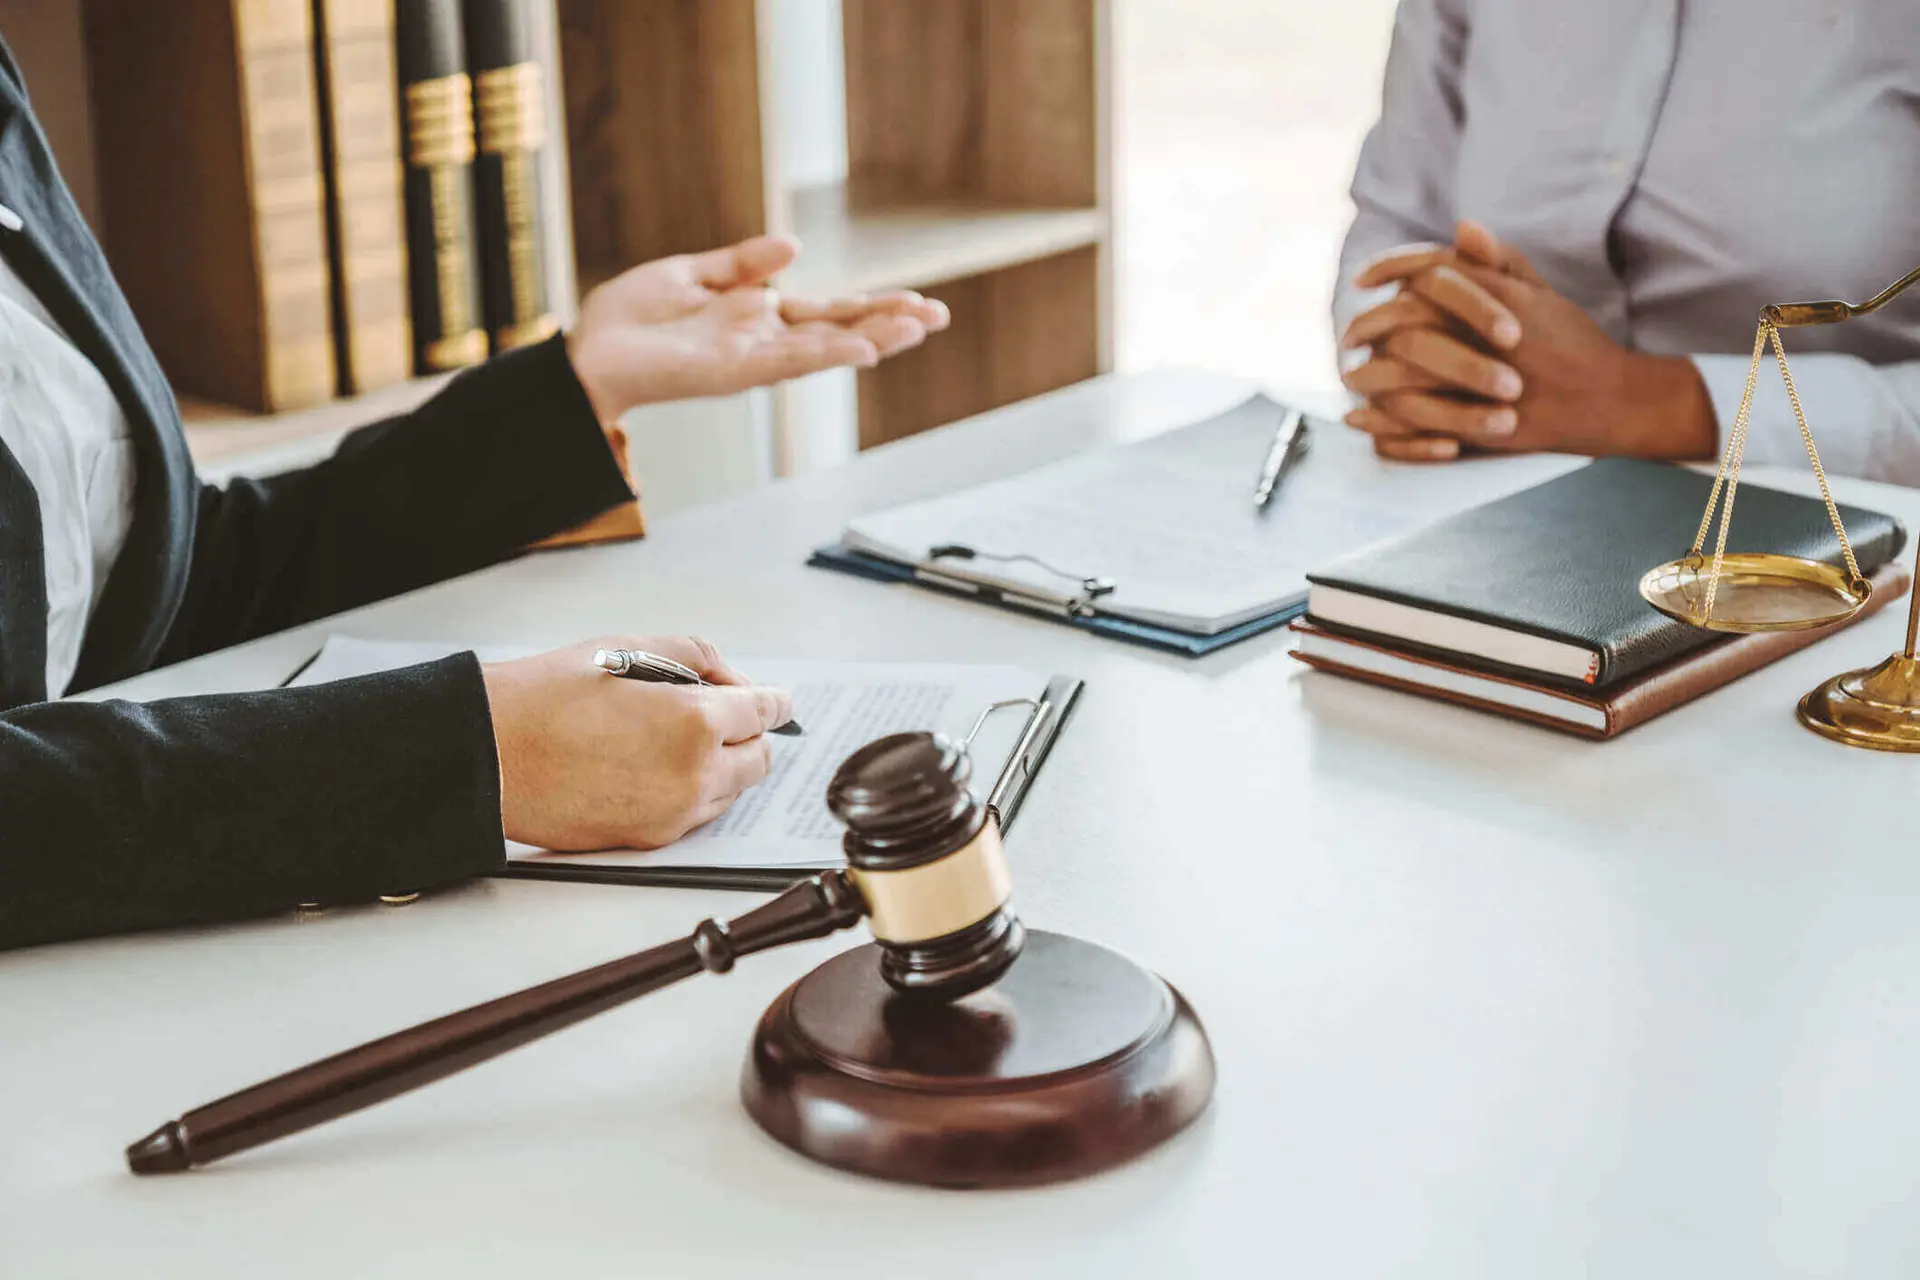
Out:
{"x": 638, "y": 664}
{"x": 1289, "y": 443}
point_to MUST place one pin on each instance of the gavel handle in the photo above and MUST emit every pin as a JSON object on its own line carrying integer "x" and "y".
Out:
{"x": 395, "y": 1064}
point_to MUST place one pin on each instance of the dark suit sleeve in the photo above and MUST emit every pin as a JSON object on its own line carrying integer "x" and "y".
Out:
{"x": 508, "y": 453}
{"x": 117, "y": 815}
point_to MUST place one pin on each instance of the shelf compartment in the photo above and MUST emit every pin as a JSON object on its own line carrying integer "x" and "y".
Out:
{"x": 219, "y": 432}
{"x": 1016, "y": 333}
{"x": 913, "y": 248}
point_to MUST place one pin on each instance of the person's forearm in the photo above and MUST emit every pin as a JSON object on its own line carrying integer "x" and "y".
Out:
{"x": 1668, "y": 414}
{"x": 118, "y": 816}
{"x": 505, "y": 455}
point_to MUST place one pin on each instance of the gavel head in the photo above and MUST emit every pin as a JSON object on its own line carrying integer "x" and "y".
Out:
{"x": 926, "y": 855}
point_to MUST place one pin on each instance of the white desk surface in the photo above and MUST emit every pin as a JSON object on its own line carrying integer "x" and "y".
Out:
{"x": 1487, "y": 1001}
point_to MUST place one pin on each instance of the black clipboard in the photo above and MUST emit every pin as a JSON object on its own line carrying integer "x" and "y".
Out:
{"x": 1044, "y": 723}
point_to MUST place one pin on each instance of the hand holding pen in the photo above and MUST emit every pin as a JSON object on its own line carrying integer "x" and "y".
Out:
{"x": 658, "y": 668}
{"x": 587, "y": 762}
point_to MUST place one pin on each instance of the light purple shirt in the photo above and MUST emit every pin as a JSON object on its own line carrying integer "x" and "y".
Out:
{"x": 1672, "y": 166}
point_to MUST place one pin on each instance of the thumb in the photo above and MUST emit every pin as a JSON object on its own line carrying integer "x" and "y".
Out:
{"x": 749, "y": 262}
{"x": 1476, "y": 243}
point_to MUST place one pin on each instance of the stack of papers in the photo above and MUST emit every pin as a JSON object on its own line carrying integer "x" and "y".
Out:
{"x": 783, "y": 822}
{"x": 1169, "y": 521}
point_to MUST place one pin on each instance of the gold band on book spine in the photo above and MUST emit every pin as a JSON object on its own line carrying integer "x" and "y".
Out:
{"x": 462, "y": 341}
{"x": 512, "y": 124}
{"x": 440, "y": 122}
{"x": 530, "y": 320}
{"x": 440, "y": 140}
{"x": 538, "y": 329}
{"x": 458, "y": 351}
{"x": 513, "y": 108}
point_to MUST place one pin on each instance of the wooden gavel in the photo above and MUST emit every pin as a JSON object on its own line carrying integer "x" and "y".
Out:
{"x": 925, "y": 869}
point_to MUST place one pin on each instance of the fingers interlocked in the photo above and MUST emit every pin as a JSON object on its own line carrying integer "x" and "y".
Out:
{"x": 1432, "y": 378}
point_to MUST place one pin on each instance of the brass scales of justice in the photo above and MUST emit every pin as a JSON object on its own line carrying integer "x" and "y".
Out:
{"x": 1745, "y": 591}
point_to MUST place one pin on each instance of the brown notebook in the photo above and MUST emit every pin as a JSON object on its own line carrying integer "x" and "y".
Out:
{"x": 1591, "y": 713}
{"x": 366, "y": 215}
{"x": 208, "y": 141}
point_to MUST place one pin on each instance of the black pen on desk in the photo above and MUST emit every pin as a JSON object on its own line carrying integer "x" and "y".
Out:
{"x": 1289, "y": 443}
{"x": 638, "y": 664}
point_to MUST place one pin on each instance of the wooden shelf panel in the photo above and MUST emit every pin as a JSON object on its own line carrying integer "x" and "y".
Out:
{"x": 998, "y": 101}
{"x": 912, "y": 248}
{"x": 219, "y": 433}
{"x": 663, "y": 126}
{"x": 1016, "y": 333}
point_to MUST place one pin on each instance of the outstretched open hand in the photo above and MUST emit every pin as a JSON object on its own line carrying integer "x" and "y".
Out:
{"x": 707, "y": 324}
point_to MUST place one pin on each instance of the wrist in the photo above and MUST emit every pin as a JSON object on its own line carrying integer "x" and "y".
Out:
{"x": 498, "y": 680}
{"x": 599, "y": 376}
{"x": 1672, "y": 416}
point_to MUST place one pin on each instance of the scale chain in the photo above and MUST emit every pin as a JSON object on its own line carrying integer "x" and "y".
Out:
{"x": 1728, "y": 476}
{"x": 1813, "y": 456}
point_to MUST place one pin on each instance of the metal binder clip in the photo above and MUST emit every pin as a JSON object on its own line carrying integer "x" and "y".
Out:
{"x": 1017, "y": 769}
{"x": 1077, "y": 606}
{"x": 980, "y": 721}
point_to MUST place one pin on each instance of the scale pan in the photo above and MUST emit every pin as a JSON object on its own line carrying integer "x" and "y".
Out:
{"x": 1759, "y": 591}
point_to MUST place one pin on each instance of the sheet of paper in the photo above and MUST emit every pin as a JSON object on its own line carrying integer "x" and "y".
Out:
{"x": 842, "y": 705}
{"x": 1170, "y": 520}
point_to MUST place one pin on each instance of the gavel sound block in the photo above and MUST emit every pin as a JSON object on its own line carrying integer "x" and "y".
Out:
{"x": 927, "y": 1056}
{"x": 897, "y": 1059}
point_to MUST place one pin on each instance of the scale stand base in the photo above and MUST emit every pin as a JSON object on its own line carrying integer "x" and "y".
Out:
{"x": 1876, "y": 707}
{"x": 1075, "y": 1061}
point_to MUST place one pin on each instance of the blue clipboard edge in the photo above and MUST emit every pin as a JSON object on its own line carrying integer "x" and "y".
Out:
{"x": 841, "y": 558}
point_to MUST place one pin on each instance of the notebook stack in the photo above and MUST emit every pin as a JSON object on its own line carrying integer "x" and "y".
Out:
{"x": 1530, "y": 606}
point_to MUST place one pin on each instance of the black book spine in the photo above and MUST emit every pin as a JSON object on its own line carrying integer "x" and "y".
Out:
{"x": 509, "y": 87}
{"x": 436, "y": 103}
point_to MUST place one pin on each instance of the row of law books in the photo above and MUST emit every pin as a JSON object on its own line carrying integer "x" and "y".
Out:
{"x": 306, "y": 199}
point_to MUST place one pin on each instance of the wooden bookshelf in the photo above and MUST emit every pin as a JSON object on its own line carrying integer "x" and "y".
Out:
{"x": 217, "y": 433}
{"x": 978, "y": 170}
{"x": 916, "y": 247}
{"x": 978, "y": 156}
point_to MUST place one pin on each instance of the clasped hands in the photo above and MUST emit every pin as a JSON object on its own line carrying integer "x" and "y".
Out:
{"x": 1476, "y": 350}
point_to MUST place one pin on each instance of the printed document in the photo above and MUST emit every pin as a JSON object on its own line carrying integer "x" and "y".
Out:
{"x": 842, "y": 706}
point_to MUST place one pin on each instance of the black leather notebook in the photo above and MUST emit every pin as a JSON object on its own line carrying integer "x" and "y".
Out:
{"x": 1547, "y": 580}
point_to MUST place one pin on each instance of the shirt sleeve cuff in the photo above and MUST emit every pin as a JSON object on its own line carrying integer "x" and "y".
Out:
{"x": 1841, "y": 412}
